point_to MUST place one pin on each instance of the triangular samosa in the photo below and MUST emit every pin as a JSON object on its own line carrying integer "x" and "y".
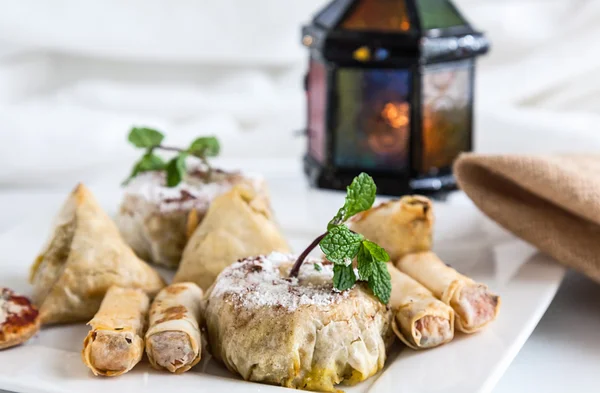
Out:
{"x": 83, "y": 257}
{"x": 238, "y": 224}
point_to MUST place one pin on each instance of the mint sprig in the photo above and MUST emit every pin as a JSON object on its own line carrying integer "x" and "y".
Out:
{"x": 343, "y": 246}
{"x": 360, "y": 196}
{"x": 151, "y": 140}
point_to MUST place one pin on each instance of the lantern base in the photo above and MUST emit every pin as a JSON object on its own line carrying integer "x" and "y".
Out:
{"x": 392, "y": 184}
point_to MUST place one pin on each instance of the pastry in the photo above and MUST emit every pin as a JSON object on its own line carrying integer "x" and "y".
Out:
{"x": 295, "y": 332}
{"x": 115, "y": 343}
{"x": 83, "y": 257}
{"x": 156, "y": 221}
{"x": 239, "y": 224}
{"x": 400, "y": 226}
{"x": 173, "y": 337}
{"x": 420, "y": 320}
{"x": 18, "y": 319}
{"x": 474, "y": 304}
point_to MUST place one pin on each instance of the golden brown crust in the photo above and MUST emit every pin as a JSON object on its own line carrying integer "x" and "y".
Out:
{"x": 85, "y": 256}
{"x": 400, "y": 226}
{"x": 19, "y": 319}
{"x": 121, "y": 319}
{"x": 411, "y": 303}
{"x": 449, "y": 286}
{"x": 173, "y": 340}
{"x": 237, "y": 225}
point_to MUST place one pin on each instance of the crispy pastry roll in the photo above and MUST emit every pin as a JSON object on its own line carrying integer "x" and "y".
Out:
{"x": 115, "y": 344}
{"x": 401, "y": 226}
{"x": 475, "y": 306}
{"x": 173, "y": 337}
{"x": 420, "y": 320}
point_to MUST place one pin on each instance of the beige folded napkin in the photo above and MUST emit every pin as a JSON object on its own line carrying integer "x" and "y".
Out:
{"x": 551, "y": 201}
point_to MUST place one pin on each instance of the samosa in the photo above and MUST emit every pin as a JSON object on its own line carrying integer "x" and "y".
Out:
{"x": 83, "y": 257}
{"x": 238, "y": 224}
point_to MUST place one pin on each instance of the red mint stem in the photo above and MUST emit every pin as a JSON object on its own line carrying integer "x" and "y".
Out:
{"x": 296, "y": 268}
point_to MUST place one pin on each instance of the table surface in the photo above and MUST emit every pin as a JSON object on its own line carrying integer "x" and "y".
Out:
{"x": 565, "y": 343}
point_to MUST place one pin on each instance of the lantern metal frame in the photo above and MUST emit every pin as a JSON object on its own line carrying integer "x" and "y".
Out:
{"x": 416, "y": 51}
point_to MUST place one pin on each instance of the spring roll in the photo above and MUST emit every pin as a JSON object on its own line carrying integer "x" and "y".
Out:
{"x": 115, "y": 344}
{"x": 473, "y": 303}
{"x": 420, "y": 320}
{"x": 400, "y": 226}
{"x": 173, "y": 338}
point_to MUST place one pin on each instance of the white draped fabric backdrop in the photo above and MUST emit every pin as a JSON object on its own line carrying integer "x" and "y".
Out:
{"x": 75, "y": 75}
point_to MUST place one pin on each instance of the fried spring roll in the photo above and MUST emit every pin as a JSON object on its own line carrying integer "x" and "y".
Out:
{"x": 475, "y": 306}
{"x": 401, "y": 226}
{"x": 115, "y": 344}
{"x": 173, "y": 338}
{"x": 420, "y": 320}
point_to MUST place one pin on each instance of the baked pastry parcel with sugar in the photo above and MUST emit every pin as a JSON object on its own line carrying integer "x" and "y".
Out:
{"x": 295, "y": 332}
{"x": 156, "y": 221}
{"x": 401, "y": 226}
{"x": 83, "y": 257}
{"x": 18, "y": 319}
{"x": 239, "y": 224}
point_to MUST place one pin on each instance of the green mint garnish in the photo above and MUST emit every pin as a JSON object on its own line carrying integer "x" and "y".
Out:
{"x": 145, "y": 137}
{"x": 343, "y": 277}
{"x": 176, "y": 170}
{"x": 317, "y": 267}
{"x": 360, "y": 196}
{"x": 342, "y": 246}
{"x": 380, "y": 281}
{"x": 151, "y": 140}
{"x": 148, "y": 162}
{"x": 205, "y": 146}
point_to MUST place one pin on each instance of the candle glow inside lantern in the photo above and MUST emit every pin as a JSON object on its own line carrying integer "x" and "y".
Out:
{"x": 389, "y": 92}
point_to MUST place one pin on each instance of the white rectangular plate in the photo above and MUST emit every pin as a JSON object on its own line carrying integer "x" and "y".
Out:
{"x": 526, "y": 281}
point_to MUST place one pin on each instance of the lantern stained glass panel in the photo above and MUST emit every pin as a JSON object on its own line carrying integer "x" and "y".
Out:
{"x": 446, "y": 114}
{"x": 372, "y": 118}
{"x": 378, "y": 15}
{"x": 317, "y": 103}
{"x": 438, "y": 14}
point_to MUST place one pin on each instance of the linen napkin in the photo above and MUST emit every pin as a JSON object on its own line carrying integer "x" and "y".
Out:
{"x": 551, "y": 201}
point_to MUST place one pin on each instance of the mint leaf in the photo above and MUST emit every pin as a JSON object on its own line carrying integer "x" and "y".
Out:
{"x": 338, "y": 219}
{"x": 206, "y": 146}
{"x": 364, "y": 262}
{"x": 343, "y": 277}
{"x": 148, "y": 162}
{"x": 176, "y": 170}
{"x": 145, "y": 137}
{"x": 360, "y": 196}
{"x": 341, "y": 245}
{"x": 376, "y": 252}
{"x": 380, "y": 282}
{"x": 317, "y": 267}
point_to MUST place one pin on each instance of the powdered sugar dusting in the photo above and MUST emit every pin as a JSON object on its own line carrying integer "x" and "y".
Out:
{"x": 195, "y": 192}
{"x": 263, "y": 281}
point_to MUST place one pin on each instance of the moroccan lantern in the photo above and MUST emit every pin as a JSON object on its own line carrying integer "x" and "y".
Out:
{"x": 389, "y": 92}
